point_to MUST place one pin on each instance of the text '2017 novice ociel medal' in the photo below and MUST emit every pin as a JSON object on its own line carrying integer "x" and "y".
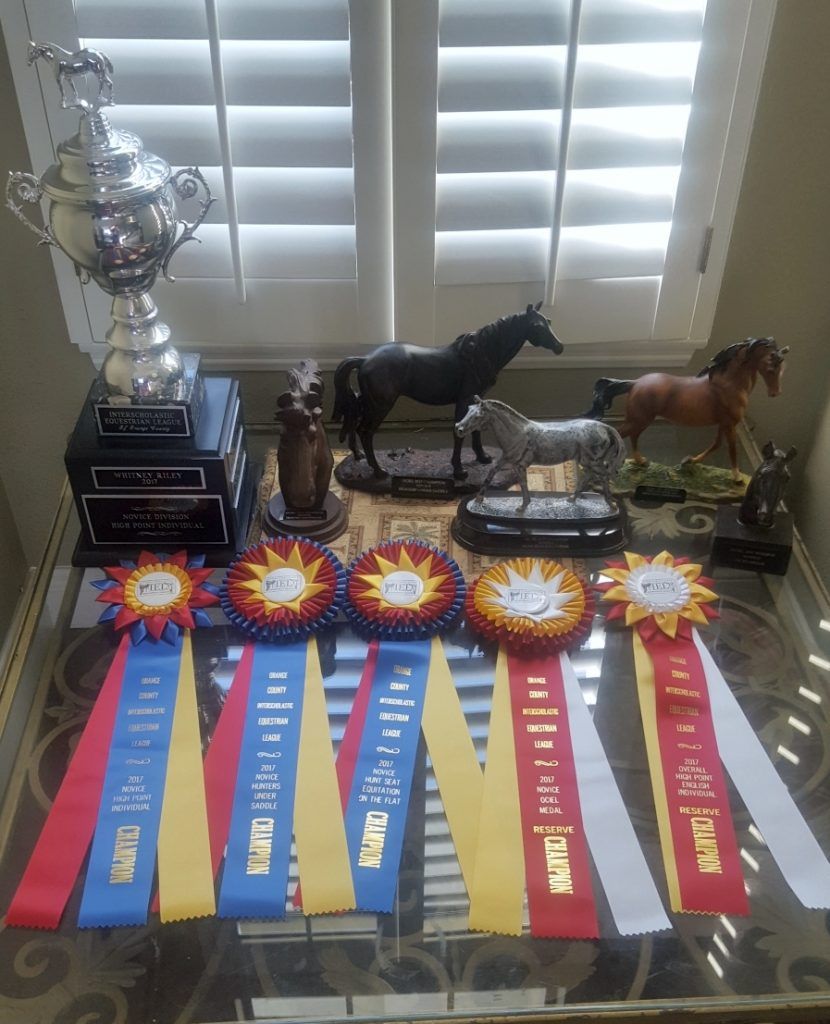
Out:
{"x": 693, "y": 725}
{"x": 400, "y": 596}
{"x": 135, "y": 782}
{"x": 549, "y": 795}
{"x": 270, "y": 772}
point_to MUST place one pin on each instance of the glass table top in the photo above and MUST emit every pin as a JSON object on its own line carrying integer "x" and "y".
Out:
{"x": 421, "y": 960}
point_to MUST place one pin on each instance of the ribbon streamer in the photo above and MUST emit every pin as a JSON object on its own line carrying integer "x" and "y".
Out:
{"x": 788, "y": 838}
{"x": 402, "y": 594}
{"x": 661, "y": 598}
{"x": 545, "y": 766}
{"x": 184, "y": 868}
{"x": 56, "y": 861}
{"x": 122, "y": 861}
{"x": 379, "y": 798}
{"x": 116, "y": 783}
{"x": 270, "y": 768}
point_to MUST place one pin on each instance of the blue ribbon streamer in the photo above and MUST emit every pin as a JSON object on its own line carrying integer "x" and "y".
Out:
{"x": 379, "y": 797}
{"x": 255, "y": 877}
{"x": 122, "y": 862}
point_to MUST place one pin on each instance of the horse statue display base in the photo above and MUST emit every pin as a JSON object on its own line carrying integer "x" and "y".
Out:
{"x": 760, "y": 537}
{"x": 551, "y": 524}
{"x": 323, "y": 525}
{"x": 415, "y": 472}
{"x": 704, "y": 483}
{"x": 752, "y": 548}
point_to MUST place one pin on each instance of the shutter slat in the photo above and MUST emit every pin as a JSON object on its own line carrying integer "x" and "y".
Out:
{"x": 483, "y": 23}
{"x": 296, "y": 195}
{"x": 292, "y": 136}
{"x": 500, "y": 78}
{"x": 527, "y": 141}
{"x": 620, "y": 196}
{"x": 277, "y": 195}
{"x": 606, "y": 251}
{"x": 475, "y": 201}
{"x": 280, "y": 252}
{"x": 530, "y": 77}
{"x": 524, "y": 141}
{"x": 242, "y": 19}
{"x": 533, "y": 23}
{"x": 186, "y": 135}
{"x": 162, "y": 71}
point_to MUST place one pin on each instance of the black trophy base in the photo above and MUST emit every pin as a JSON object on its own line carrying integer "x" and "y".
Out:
{"x": 216, "y": 556}
{"x": 195, "y": 494}
{"x": 551, "y": 525}
{"x": 415, "y": 473}
{"x": 324, "y": 525}
{"x": 752, "y": 548}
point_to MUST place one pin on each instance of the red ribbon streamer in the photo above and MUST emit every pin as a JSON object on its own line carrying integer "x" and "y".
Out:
{"x": 53, "y": 868}
{"x": 350, "y": 744}
{"x": 706, "y": 853}
{"x": 559, "y": 890}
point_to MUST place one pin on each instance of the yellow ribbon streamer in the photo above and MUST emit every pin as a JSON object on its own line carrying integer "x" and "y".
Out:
{"x": 454, "y": 760}
{"x": 496, "y": 899}
{"x": 319, "y": 832}
{"x": 644, "y": 670}
{"x": 185, "y": 875}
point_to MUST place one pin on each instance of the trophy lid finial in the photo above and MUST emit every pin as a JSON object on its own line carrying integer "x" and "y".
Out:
{"x": 68, "y": 68}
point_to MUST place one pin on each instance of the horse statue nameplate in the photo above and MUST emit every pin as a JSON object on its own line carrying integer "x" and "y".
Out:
{"x": 590, "y": 521}
{"x": 435, "y": 376}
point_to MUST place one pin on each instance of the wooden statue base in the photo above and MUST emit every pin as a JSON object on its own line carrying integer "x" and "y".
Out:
{"x": 753, "y": 548}
{"x": 416, "y": 473}
{"x": 551, "y": 525}
{"x": 324, "y": 525}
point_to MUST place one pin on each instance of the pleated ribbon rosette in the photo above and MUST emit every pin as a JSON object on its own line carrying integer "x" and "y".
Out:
{"x": 549, "y": 794}
{"x": 269, "y": 769}
{"x": 134, "y": 788}
{"x": 694, "y": 728}
{"x": 400, "y": 596}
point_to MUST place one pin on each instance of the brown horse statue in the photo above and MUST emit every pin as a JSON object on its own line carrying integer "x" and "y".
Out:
{"x": 717, "y": 396}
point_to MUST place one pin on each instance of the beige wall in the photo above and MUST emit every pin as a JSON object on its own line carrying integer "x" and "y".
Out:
{"x": 776, "y": 282}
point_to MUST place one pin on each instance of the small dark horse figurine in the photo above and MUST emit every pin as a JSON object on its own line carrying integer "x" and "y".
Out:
{"x": 766, "y": 488}
{"x": 434, "y": 376}
{"x": 717, "y": 396}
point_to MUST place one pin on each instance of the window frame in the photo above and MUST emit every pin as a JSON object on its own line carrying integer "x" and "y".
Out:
{"x": 394, "y": 59}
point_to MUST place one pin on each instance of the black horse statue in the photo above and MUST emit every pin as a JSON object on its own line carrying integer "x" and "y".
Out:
{"x": 435, "y": 376}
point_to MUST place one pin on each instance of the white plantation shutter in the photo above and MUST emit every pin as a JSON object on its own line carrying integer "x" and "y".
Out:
{"x": 416, "y": 168}
{"x": 647, "y": 115}
{"x": 264, "y": 108}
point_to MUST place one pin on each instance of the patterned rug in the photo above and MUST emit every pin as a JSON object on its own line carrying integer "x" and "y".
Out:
{"x": 377, "y": 517}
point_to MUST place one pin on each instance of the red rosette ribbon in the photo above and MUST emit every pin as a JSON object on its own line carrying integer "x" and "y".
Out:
{"x": 283, "y": 589}
{"x": 403, "y": 590}
{"x": 531, "y": 606}
{"x": 662, "y": 594}
{"x": 157, "y": 596}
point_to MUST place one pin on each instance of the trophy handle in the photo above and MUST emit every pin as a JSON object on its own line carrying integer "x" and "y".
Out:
{"x": 186, "y": 188}
{"x": 29, "y": 190}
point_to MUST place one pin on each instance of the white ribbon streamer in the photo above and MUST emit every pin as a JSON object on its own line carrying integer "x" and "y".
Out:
{"x": 626, "y": 879}
{"x": 789, "y": 840}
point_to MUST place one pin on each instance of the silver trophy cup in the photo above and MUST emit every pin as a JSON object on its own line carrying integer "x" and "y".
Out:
{"x": 113, "y": 211}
